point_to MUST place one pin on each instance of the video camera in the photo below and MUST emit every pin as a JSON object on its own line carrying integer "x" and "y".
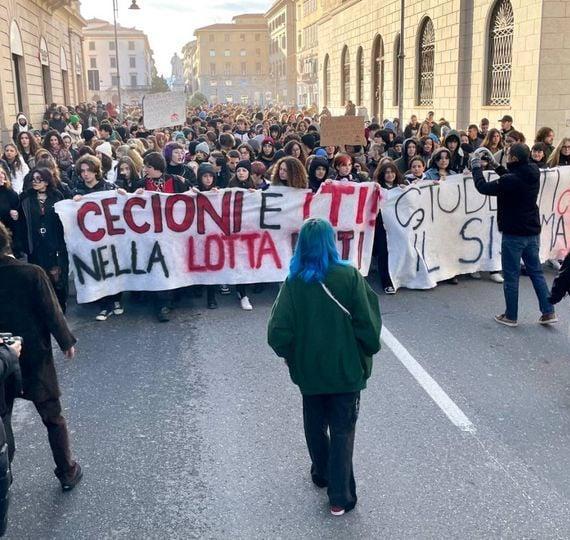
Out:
{"x": 9, "y": 339}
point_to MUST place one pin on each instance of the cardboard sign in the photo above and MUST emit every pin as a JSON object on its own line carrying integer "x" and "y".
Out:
{"x": 156, "y": 242}
{"x": 341, "y": 130}
{"x": 165, "y": 109}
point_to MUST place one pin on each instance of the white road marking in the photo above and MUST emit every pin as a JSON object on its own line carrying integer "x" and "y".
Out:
{"x": 427, "y": 382}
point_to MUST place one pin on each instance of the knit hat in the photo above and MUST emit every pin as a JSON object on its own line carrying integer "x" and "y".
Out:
{"x": 203, "y": 147}
{"x": 244, "y": 164}
{"x": 433, "y": 137}
{"x": 268, "y": 140}
{"x": 321, "y": 152}
{"x": 74, "y": 119}
{"x": 106, "y": 149}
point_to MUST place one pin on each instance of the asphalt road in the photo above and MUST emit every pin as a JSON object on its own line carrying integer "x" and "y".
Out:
{"x": 192, "y": 429}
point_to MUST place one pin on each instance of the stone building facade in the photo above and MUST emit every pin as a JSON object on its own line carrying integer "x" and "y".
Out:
{"x": 231, "y": 60}
{"x": 281, "y": 21}
{"x": 135, "y": 62}
{"x": 463, "y": 59}
{"x": 309, "y": 13}
{"x": 189, "y": 66}
{"x": 42, "y": 58}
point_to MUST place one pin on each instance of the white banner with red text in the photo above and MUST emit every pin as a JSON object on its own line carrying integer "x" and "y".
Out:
{"x": 438, "y": 231}
{"x": 156, "y": 241}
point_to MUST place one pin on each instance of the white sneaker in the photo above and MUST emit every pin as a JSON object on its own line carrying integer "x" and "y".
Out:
{"x": 555, "y": 264}
{"x": 476, "y": 275}
{"x": 245, "y": 304}
{"x": 118, "y": 308}
{"x": 496, "y": 277}
{"x": 103, "y": 315}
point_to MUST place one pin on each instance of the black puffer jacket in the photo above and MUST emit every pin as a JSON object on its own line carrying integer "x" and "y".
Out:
{"x": 517, "y": 192}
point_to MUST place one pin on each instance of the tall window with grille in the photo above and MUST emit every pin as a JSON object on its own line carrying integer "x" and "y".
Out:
{"x": 500, "y": 58}
{"x": 327, "y": 80}
{"x": 345, "y": 80}
{"x": 426, "y": 57}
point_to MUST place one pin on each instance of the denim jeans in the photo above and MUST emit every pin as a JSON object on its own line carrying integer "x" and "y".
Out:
{"x": 513, "y": 249}
{"x": 331, "y": 456}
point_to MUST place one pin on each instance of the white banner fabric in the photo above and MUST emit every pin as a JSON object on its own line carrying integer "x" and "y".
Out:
{"x": 156, "y": 241}
{"x": 436, "y": 232}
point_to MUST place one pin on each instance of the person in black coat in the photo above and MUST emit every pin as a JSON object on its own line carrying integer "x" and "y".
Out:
{"x": 29, "y": 308}
{"x": 561, "y": 285}
{"x": 90, "y": 171}
{"x": 10, "y": 384}
{"x": 42, "y": 231}
{"x": 9, "y": 203}
{"x": 518, "y": 218}
{"x": 174, "y": 155}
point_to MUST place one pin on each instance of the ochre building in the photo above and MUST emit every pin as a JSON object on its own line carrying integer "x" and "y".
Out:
{"x": 42, "y": 58}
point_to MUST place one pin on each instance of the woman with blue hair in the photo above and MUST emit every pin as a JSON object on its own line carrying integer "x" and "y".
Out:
{"x": 326, "y": 324}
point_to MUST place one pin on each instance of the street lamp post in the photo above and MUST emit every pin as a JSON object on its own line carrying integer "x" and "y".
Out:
{"x": 401, "y": 57}
{"x": 134, "y": 6}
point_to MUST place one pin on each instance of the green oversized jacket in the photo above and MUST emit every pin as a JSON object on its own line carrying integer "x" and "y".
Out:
{"x": 326, "y": 351}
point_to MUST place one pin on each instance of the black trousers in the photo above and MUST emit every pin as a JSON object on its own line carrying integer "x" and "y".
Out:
{"x": 380, "y": 249}
{"x": 5, "y": 481}
{"x": 58, "y": 436}
{"x": 330, "y": 424}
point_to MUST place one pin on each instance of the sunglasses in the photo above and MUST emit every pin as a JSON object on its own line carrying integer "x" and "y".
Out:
{"x": 37, "y": 180}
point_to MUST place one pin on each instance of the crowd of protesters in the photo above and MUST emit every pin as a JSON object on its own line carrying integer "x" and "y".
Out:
{"x": 90, "y": 148}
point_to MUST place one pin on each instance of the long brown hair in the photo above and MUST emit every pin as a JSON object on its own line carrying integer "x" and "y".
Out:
{"x": 487, "y": 141}
{"x": 296, "y": 173}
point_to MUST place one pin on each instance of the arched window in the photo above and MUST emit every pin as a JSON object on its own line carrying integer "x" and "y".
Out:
{"x": 327, "y": 80}
{"x": 426, "y": 56}
{"x": 500, "y": 53}
{"x": 359, "y": 76}
{"x": 396, "y": 73}
{"x": 377, "y": 94}
{"x": 18, "y": 66}
{"x": 345, "y": 76}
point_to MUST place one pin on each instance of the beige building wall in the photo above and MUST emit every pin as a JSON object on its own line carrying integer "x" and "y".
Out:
{"x": 309, "y": 12}
{"x": 24, "y": 24}
{"x": 554, "y": 73}
{"x": 231, "y": 60}
{"x": 281, "y": 21}
{"x": 540, "y": 79}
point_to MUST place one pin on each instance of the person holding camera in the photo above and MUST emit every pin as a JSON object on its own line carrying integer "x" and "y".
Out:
{"x": 29, "y": 308}
{"x": 10, "y": 383}
{"x": 518, "y": 218}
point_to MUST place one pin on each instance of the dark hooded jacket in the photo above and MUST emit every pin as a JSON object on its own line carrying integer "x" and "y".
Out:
{"x": 517, "y": 192}
{"x": 403, "y": 161}
{"x": 314, "y": 182}
{"x": 459, "y": 159}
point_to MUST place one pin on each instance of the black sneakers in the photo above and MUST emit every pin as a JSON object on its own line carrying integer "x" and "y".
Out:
{"x": 67, "y": 484}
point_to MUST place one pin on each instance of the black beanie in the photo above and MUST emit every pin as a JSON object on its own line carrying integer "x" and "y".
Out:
{"x": 245, "y": 164}
{"x": 308, "y": 139}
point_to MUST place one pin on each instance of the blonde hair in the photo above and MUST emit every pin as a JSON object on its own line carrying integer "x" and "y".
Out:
{"x": 554, "y": 158}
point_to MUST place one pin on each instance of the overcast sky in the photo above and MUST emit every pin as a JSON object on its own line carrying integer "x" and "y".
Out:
{"x": 170, "y": 24}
